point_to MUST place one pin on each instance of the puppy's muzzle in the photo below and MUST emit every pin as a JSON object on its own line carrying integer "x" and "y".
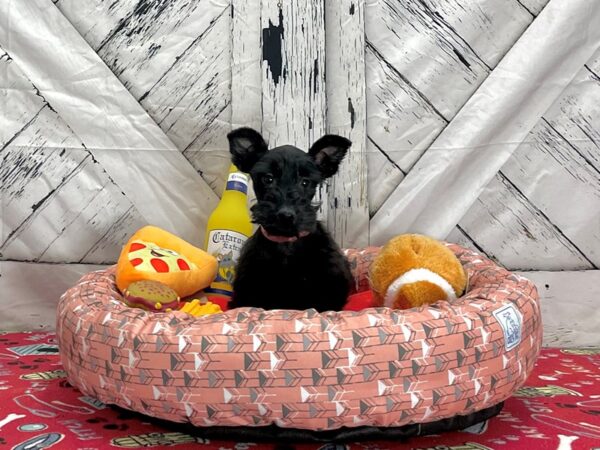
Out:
{"x": 286, "y": 216}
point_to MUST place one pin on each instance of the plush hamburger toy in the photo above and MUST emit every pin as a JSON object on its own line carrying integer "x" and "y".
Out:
{"x": 151, "y": 296}
{"x": 155, "y": 296}
{"x": 413, "y": 270}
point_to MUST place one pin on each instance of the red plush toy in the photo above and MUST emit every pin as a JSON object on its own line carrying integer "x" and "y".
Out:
{"x": 359, "y": 301}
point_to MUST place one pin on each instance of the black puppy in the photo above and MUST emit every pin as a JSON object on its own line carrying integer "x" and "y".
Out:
{"x": 291, "y": 262}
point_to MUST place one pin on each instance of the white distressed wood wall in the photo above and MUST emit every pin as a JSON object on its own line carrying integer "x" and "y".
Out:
{"x": 425, "y": 62}
{"x": 348, "y": 211}
{"x": 397, "y": 74}
{"x": 88, "y": 156}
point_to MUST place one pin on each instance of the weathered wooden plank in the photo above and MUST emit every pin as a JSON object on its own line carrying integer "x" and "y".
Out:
{"x": 105, "y": 248}
{"x": 146, "y": 40}
{"x": 533, "y": 6}
{"x": 569, "y": 303}
{"x": 183, "y": 89}
{"x": 459, "y": 236}
{"x": 445, "y": 43}
{"x": 209, "y": 153}
{"x": 401, "y": 125}
{"x": 559, "y": 182}
{"x": 509, "y": 229}
{"x": 576, "y": 115}
{"x": 246, "y": 81}
{"x": 196, "y": 89}
{"x": 71, "y": 219}
{"x": 52, "y": 68}
{"x": 97, "y": 20}
{"x": 593, "y": 65}
{"x": 403, "y": 119}
{"x": 35, "y": 37}
{"x": 35, "y": 141}
{"x": 90, "y": 224}
{"x": 293, "y": 72}
{"x": 19, "y": 104}
{"x": 383, "y": 175}
{"x": 30, "y": 175}
{"x": 348, "y": 217}
{"x": 560, "y": 177}
{"x": 293, "y": 76}
{"x": 496, "y": 117}
{"x": 488, "y": 27}
{"x": 432, "y": 57}
{"x": 37, "y": 171}
{"x": 246, "y": 57}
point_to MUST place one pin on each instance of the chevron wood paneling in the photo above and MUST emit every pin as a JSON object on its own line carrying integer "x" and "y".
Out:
{"x": 543, "y": 209}
{"x": 52, "y": 189}
{"x": 526, "y": 218}
{"x": 77, "y": 212}
{"x": 422, "y": 62}
{"x": 436, "y": 53}
{"x": 508, "y": 228}
{"x": 173, "y": 56}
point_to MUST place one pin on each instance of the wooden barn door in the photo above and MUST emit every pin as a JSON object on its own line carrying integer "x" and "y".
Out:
{"x": 482, "y": 127}
{"x": 298, "y": 72}
{"x": 472, "y": 121}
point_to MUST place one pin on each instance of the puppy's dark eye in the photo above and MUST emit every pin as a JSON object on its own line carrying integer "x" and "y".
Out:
{"x": 305, "y": 183}
{"x": 267, "y": 179}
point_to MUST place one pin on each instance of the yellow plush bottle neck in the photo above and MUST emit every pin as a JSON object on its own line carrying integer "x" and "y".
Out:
{"x": 232, "y": 194}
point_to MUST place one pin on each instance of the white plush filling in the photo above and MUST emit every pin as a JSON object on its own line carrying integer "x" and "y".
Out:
{"x": 413, "y": 276}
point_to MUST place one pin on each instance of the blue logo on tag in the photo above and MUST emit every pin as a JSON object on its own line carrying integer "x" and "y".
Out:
{"x": 511, "y": 321}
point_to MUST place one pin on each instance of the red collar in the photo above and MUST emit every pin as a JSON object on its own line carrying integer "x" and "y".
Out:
{"x": 282, "y": 239}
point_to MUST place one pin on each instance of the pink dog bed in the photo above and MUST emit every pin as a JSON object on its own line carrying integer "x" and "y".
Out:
{"x": 301, "y": 369}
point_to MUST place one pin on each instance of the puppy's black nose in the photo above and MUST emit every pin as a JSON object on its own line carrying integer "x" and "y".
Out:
{"x": 286, "y": 216}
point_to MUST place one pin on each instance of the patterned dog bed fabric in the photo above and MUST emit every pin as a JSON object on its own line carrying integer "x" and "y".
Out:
{"x": 249, "y": 367}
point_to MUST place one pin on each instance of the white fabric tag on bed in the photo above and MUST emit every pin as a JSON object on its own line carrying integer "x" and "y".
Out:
{"x": 511, "y": 321}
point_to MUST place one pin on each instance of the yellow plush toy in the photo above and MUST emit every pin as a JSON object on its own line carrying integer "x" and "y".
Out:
{"x": 199, "y": 308}
{"x": 412, "y": 270}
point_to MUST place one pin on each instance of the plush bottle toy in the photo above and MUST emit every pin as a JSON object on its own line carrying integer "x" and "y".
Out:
{"x": 413, "y": 270}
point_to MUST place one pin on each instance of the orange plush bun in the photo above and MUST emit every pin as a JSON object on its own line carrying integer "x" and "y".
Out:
{"x": 155, "y": 254}
{"x": 412, "y": 270}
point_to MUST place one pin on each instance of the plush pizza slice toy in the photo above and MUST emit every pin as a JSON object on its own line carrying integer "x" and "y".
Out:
{"x": 149, "y": 257}
{"x": 155, "y": 254}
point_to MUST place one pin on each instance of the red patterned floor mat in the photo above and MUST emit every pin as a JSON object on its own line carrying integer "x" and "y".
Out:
{"x": 558, "y": 409}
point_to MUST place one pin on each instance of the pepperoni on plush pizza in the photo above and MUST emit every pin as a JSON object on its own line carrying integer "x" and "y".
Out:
{"x": 136, "y": 246}
{"x": 149, "y": 257}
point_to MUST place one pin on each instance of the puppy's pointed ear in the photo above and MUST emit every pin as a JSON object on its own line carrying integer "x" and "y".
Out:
{"x": 328, "y": 152}
{"x": 246, "y": 146}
